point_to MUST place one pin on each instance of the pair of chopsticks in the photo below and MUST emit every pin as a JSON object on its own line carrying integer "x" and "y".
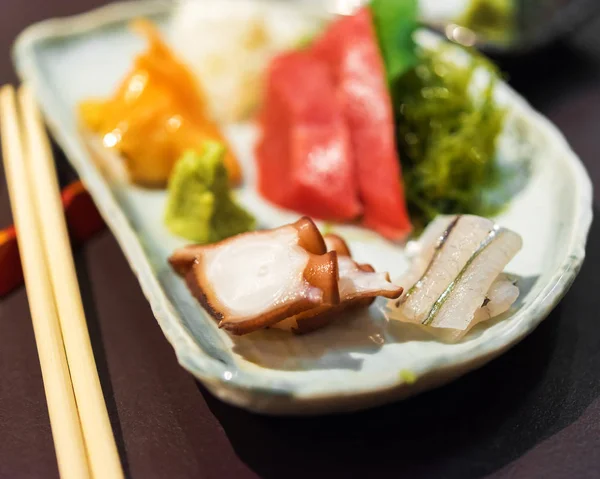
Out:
{"x": 83, "y": 439}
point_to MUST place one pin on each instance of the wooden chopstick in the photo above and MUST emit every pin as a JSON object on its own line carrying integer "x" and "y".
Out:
{"x": 99, "y": 440}
{"x": 62, "y": 409}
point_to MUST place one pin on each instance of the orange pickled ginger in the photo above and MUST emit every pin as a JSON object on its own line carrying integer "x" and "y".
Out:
{"x": 156, "y": 114}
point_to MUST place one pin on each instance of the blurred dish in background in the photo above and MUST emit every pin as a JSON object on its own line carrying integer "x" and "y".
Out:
{"x": 503, "y": 26}
{"x": 510, "y": 26}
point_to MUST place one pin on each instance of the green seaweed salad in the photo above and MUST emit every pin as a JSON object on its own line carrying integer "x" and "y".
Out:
{"x": 446, "y": 134}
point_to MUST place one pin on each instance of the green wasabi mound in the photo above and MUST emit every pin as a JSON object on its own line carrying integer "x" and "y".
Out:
{"x": 200, "y": 206}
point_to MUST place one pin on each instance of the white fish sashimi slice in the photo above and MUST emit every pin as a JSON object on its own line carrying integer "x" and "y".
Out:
{"x": 421, "y": 252}
{"x": 448, "y": 260}
{"x": 462, "y": 283}
{"x": 501, "y": 296}
{"x": 456, "y": 307}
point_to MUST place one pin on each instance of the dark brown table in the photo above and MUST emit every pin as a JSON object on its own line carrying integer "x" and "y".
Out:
{"x": 534, "y": 412}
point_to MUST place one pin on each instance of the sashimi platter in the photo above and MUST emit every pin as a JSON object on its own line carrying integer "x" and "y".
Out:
{"x": 327, "y": 209}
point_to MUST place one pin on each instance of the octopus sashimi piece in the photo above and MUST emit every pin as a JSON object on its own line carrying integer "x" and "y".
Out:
{"x": 336, "y": 243}
{"x": 254, "y": 280}
{"x": 461, "y": 284}
{"x": 308, "y": 237}
{"x": 358, "y": 285}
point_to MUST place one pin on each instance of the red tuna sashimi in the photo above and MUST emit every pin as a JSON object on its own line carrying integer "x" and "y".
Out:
{"x": 303, "y": 156}
{"x": 350, "y": 48}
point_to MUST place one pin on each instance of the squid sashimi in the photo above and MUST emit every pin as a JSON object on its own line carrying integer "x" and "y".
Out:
{"x": 456, "y": 275}
{"x": 358, "y": 286}
{"x": 254, "y": 280}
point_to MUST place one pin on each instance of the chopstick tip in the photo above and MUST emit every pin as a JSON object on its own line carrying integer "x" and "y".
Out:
{"x": 7, "y": 90}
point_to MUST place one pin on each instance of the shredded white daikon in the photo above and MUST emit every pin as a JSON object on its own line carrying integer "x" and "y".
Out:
{"x": 229, "y": 43}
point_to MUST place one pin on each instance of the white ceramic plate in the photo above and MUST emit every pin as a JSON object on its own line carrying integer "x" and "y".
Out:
{"x": 360, "y": 361}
